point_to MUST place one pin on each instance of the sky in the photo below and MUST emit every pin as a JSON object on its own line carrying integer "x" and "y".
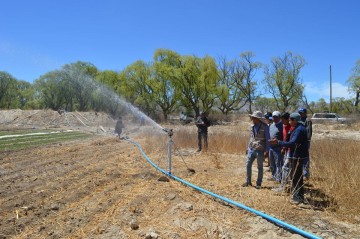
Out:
{"x": 39, "y": 36}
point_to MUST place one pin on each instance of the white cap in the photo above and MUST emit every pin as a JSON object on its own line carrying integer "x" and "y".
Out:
{"x": 276, "y": 113}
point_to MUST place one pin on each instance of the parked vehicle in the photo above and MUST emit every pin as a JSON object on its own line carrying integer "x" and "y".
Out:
{"x": 327, "y": 117}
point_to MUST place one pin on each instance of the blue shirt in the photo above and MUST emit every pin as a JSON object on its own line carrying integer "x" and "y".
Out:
{"x": 298, "y": 143}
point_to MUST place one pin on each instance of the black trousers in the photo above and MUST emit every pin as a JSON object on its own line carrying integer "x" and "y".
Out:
{"x": 202, "y": 135}
{"x": 297, "y": 179}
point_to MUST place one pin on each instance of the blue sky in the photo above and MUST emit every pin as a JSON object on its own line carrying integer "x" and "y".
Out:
{"x": 39, "y": 36}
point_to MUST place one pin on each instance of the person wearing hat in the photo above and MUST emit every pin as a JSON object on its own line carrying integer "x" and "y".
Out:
{"x": 202, "y": 123}
{"x": 298, "y": 145}
{"x": 258, "y": 148}
{"x": 275, "y": 156}
{"x": 268, "y": 118}
{"x": 308, "y": 126}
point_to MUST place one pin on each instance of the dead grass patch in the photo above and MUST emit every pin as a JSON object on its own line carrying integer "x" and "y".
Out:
{"x": 333, "y": 187}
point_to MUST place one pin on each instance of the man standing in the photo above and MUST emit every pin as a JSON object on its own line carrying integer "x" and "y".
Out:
{"x": 275, "y": 156}
{"x": 258, "y": 148}
{"x": 119, "y": 126}
{"x": 298, "y": 145}
{"x": 286, "y": 169}
{"x": 202, "y": 123}
{"x": 308, "y": 126}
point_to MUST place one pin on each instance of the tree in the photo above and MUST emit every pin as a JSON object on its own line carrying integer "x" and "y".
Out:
{"x": 26, "y": 95}
{"x": 104, "y": 97}
{"x": 51, "y": 90}
{"x": 246, "y": 69}
{"x": 71, "y": 87}
{"x": 8, "y": 90}
{"x": 165, "y": 93}
{"x": 79, "y": 77}
{"x": 230, "y": 95}
{"x": 197, "y": 80}
{"x": 136, "y": 86}
{"x": 265, "y": 104}
{"x": 354, "y": 83}
{"x": 321, "y": 105}
{"x": 209, "y": 82}
{"x": 342, "y": 105}
{"x": 282, "y": 78}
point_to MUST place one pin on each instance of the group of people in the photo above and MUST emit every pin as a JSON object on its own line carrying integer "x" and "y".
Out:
{"x": 285, "y": 140}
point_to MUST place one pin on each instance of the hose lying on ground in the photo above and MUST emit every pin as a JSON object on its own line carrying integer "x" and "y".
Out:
{"x": 261, "y": 214}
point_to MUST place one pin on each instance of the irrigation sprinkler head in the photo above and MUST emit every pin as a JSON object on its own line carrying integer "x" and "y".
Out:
{"x": 169, "y": 131}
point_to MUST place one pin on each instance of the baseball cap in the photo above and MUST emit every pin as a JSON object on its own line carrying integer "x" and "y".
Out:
{"x": 276, "y": 113}
{"x": 296, "y": 116}
{"x": 285, "y": 115}
{"x": 302, "y": 111}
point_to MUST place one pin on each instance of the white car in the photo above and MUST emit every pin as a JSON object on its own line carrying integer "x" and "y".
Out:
{"x": 328, "y": 117}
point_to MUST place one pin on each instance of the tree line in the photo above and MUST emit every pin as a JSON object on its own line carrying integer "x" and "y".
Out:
{"x": 171, "y": 82}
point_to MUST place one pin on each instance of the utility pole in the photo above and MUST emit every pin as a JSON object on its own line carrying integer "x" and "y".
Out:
{"x": 330, "y": 90}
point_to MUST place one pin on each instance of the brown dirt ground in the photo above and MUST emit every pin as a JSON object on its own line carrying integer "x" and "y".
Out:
{"x": 103, "y": 187}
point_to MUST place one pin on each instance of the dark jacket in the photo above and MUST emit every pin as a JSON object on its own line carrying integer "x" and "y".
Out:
{"x": 298, "y": 143}
{"x": 202, "y": 123}
{"x": 119, "y": 126}
{"x": 308, "y": 126}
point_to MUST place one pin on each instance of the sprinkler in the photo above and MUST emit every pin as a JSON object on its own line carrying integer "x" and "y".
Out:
{"x": 170, "y": 143}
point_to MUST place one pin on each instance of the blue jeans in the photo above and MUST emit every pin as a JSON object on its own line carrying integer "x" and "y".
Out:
{"x": 259, "y": 155}
{"x": 276, "y": 163}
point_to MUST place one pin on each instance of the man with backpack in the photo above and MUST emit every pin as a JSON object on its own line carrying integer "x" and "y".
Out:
{"x": 202, "y": 123}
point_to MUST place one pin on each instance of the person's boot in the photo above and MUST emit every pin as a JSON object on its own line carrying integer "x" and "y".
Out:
{"x": 246, "y": 184}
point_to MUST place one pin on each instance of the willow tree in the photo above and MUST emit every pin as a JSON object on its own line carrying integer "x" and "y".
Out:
{"x": 166, "y": 95}
{"x": 136, "y": 86}
{"x": 197, "y": 79}
{"x": 8, "y": 90}
{"x": 282, "y": 79}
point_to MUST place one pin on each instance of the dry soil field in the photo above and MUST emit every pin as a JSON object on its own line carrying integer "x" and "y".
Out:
{"x": 102, "y": 187}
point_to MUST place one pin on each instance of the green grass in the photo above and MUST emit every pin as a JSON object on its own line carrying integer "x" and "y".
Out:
{"x": 24, "y": 131}
{"x": 30, "y": 141}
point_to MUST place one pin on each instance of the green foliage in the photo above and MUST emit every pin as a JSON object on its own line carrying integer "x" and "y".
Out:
{"x": 136, "y": 86}
{"x": 8, "y": 91}
{"x": 265, "y": 104}
{"x": 70, "y": 88}
{"x": 29, "y": 141}
{"x": 354, "y": 83}
{"x": 170, "y": 82}
{"x": 282, "y": 78}
{"x": 166, "y": 95}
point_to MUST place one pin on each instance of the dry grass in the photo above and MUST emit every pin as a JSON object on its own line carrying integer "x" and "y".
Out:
{"x": 335, "y": 169}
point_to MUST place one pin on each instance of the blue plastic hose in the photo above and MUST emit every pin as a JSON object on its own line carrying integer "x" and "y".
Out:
{"x": 261, "y": 214}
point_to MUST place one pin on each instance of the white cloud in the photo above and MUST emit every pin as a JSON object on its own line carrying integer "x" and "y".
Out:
{"x": 315, "y": 91}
